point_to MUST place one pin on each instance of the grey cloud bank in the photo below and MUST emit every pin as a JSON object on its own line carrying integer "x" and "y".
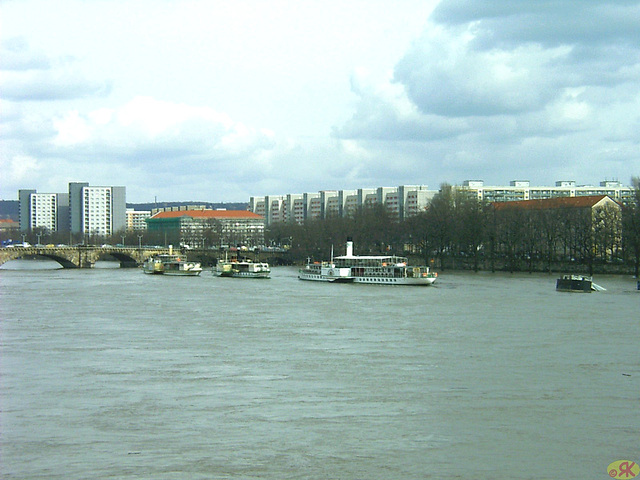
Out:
{"x": 413, "y": 92}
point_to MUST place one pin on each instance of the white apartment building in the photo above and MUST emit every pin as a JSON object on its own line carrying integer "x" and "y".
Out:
{"x": 414, "y": 199}
{"x": 96, "y": 214}
{"x": 136, "y": 219}
{"x": 102, "y": 210}
{"x": 294, "y": 208}
{"x": 409, "y": 200}
{"x": 522, "y": 190}
{"x": 44, "y": 211}
{"x": 400, "y": 201}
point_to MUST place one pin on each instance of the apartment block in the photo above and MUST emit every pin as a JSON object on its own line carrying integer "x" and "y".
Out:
{"x": 408, "y": 200}
{"x": 85, "y": 209}
{"x": 44, "y": 211}
{"x": 136, "y": 219}
{"x": 519, "y": 190}
{"x": 400, "y": 202}
{"x": 97, "y": 210}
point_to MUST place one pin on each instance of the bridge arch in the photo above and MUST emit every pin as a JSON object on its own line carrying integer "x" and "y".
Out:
{"x": 81, "y": 256}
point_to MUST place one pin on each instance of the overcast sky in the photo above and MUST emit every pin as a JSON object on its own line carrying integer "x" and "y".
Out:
{"x": 218, "y": 100}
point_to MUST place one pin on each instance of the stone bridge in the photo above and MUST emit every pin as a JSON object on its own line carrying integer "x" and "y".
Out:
{"x": 82, "y": 256}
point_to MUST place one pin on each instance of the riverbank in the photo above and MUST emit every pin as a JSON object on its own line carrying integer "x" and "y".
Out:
{"x": 528, "y": 266}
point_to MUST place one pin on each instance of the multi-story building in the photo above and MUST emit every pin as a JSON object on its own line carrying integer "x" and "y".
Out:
{"x": 75, "y": 206}
{"x": 413, "y": 199}
{"x": 271, "y": 207}
{"x": 85, "y": 209}
{"x": 97, "y": 210}
{"x": 46, "y": 211}
{"x": 522, "y": 190}
{"x": 24, "y": 209}
{"x": 400, "y": 202}
{"x": 136, "y": 219}
{"x": 293, "y": 208}
{"x": 408, "y": 200}
{"x": 206, "y": 228}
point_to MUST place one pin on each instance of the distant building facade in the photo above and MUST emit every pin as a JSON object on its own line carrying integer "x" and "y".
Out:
{"x": 408, "y": 200}
{"x": 97, "y": 210}
{"x": 46, "y": 211}
{"x": 209, "y": 228}
{"x": 9, "y": 226}
{"x": 85, "y": 209}
{"x": 136, "y": 219}
{"x": 522, "y": 190}
{"x": 401, "y": 202}
{"x": 178, "y": 208}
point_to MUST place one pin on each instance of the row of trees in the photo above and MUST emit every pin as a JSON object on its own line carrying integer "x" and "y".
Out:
{"x": 457, "y": 231}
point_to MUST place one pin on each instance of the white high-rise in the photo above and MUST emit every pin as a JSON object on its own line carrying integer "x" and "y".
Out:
{"x": 44, "y": 211}
{"x": 85, "y": 209}
{"x": 103, "y": 210}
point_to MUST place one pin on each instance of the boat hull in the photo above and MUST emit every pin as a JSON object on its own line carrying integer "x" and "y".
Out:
{"x": 242, "y": 274}
{"x": 242, "y": 270}
{"x": 426, "y": 281}
{"x": 152, "y": 271}
{"x": 316, "y": 277}
{"x": 152, "y": 268}
{"x": 184, "y": 273}
{"x": 325, "y": 272}
{"x": 171, "y": 265}
{"x": 574, "y": 284}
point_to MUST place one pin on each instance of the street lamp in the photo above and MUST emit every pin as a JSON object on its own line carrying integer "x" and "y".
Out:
{"x": 38, "y": 235}
{"x": 140, "y": 242}
{"x": 122, "y": 236}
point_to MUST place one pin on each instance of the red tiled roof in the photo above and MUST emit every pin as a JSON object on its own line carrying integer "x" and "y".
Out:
{"x": 588, "y": 201}
{"x": 208, "y": 214}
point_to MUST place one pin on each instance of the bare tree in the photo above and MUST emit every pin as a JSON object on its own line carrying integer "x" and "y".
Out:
{"x": 631, "y": 226}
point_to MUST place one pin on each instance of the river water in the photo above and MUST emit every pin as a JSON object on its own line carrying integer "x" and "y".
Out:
{"x": 113, "y": 374}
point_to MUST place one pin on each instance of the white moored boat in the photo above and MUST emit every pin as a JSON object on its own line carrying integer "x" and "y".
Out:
{"x": 242, "y": 269}
{"x": 577, "y": 283}
{"x": 153, "y": 265}
{"x": 325, "y": 272}
{"x": 170, "y": 264}
{"x": 182, "y": 267}
{"x": 383, "y": 269}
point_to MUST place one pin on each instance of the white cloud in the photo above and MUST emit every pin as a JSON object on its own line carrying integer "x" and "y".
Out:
{"x": 22, "y": 168}
{"x": 445, "y": 74}
{"x": 496, "y": 96}
{"x": 224, "y": 100}
{"x": 146, "y": 124}
{"x": 71, "y": 129}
